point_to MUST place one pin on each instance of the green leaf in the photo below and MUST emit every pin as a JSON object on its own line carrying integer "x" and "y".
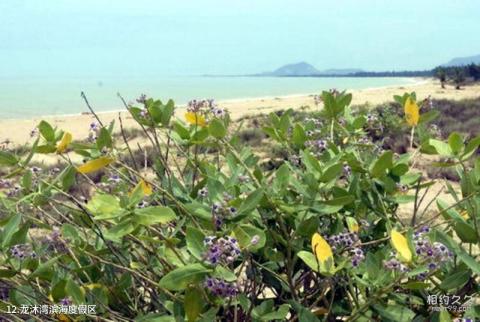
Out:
{"x": 331, "y": 172}
{"x": 181, "y": 277}
{"x": 428, "y": 116}
{"x": 383, "y": 163}
{"x": 68, "y": 177}
{"x": 309, "y": 259}
{"x": 193, "y": 303}
{"x": 458, "y": 250}
{"x": 442, "y": 148}
{"x": 471, "y": 147}
{"x": 298, "y": 136}
{"x": 195, "y": 240}
{"x": 7, "y": 159}
{"x": 455, "y": 141}
{"x": 167, "y": 112}
{"x": 217, "y": 129}
{"x": 104, "y": 206}
{"x": 465, "y": 231}
{"x": 10, "y": 228}
{"x": 251, "y": 202}
{"x": 279, "y": 314}
{"x": 455, "y": 281}
{"x": 119, "y": 230}
{"x": 154, "y": 215}
{"x": 27, "y": 180}
{"x": 244, "y": 235}
{"x": 75, "y": 292}
{"x": 395, "y": 313}
{"x": 304, "y": 314}
{"x": 340, "y": 201}
{"x": 44, "y": 270}
{"x": 47, "y": 131}
{"x": 104, "y": 139}
{"x": 181, "y": 131}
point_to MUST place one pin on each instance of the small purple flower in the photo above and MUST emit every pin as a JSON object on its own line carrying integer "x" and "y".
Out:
{"x": 4, "y": 291}
{"x": 347, "y": 170}
{"x": 66, "y": 301}
{"x": 255, "y": 239}
{"x": 34, "y": 132}
{"x": 142, "y": 99}
{"x": 223, "y": 250}
{"x": 22, "y": 251}
{"x": 114, "y": 179}
{"x": 94, "y": 126}
{"x": 220, "y": 287}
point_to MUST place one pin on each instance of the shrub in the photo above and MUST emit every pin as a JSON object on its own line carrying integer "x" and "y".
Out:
{"x": 219, "y": 238}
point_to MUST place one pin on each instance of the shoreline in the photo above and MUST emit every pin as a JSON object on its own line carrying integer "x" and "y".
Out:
{"x": 410, "y": 81}
{"x": 17, "y": 131}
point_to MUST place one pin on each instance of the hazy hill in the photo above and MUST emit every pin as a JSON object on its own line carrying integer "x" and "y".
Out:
{"x": 298, "y": 69}
{"x": 460, "y": 61}
{"x": 306, "y": 69}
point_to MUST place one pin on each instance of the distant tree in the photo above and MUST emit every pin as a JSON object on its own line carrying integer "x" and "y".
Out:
{"x": 458, "y": 77}
{"x": 474, "y": 71}
{"x": 441, "y": 74}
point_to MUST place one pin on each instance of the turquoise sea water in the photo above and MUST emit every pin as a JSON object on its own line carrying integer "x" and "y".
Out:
{"x": 25, "y": 98}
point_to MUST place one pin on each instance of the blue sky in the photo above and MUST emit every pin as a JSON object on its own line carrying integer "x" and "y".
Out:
{"x": 150, "y": 37}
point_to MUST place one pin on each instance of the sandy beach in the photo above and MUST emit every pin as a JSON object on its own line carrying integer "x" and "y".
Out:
{"x": 18, "y": 131}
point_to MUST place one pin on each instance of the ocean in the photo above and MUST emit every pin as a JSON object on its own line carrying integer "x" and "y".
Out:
{"x": 27, "y": 98}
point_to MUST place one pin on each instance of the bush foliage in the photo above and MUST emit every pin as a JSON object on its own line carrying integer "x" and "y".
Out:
{"x": 198, "y": 230}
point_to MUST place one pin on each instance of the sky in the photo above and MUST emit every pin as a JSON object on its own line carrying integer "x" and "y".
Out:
{"x": 53, "y": 38}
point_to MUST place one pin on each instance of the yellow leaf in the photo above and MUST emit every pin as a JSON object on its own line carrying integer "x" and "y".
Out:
{"x": 465, "y": 215}
{"x": 321, "y": 248}
{"x": 195, "y": 118}
{"x": 400, "y": 244}
{"x": 63, "y": 144}
{"x": 352, "y": 224}
{"x": 146, "y": 187}
{"x": 94, "y": 165}
{"x": 412, "y": 112}
{"x": 63, "y": 318}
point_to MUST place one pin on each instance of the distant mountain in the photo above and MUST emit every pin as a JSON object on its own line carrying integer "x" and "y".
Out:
{"x": 298, "y": 69}
{"x": 460, "y": 61}
{"x": 306, "y": 69}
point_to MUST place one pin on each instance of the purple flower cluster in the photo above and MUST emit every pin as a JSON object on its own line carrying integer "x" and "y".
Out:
{"x": 347, "y": 170}
{"x": 4, "y": 183}
{"x": 394, "y": 264}
{"x": 14, "y": 191}
{"x": 357, "y": 256}
{"x": 434, "y": 254}
{"x": 93, "y": 132}
{"x": 22, "y": 251}
{"x": 221, "y": 210}
{"x": 54, "y": 241}
{"x": 223, "y": 250}
{"x": 66, "y": 301}
{"x": 342, "y": 240}
{"x": 206, "y": 104}
{"x": 346, "y": 240}
{"x": 34, "y": 132}
{"x": 220, "y": 287}
{"x": 318, "y": 146}
{"x": 4, "y": 291}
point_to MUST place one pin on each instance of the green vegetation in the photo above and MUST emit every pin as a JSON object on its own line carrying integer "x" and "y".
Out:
{"x": 292, "y": 216}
